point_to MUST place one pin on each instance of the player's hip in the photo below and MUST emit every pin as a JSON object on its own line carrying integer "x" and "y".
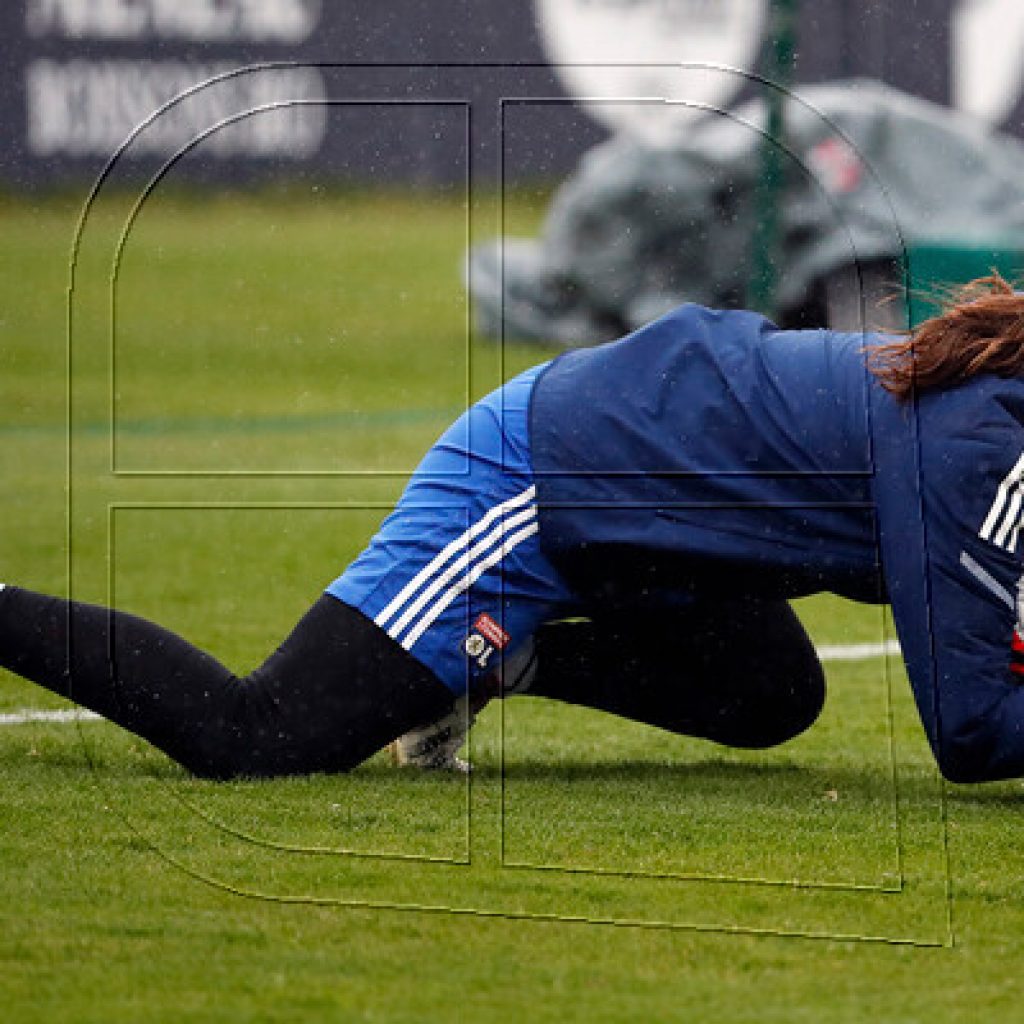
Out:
{"x": 456, "y": 574}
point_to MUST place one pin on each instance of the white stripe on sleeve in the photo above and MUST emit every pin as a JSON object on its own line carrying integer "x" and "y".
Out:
{"x": 1006, "y": 535}
{"x": 987, "y": 580}
{"x": 999, "y": 518}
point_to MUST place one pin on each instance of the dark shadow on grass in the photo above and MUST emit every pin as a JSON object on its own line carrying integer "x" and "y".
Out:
{"x": 917, "y": 783}
{"x": 994, "y": 794}
{"x": 154, "y": 766}
{"x": 635, "y": 770}
{"x": 710, "y": 774}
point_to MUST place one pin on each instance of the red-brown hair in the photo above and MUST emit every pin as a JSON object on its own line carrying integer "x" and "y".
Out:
{"x": 980, "y": 330}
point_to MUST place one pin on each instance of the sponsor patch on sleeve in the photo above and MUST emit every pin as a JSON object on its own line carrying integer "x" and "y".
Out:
{"x": 487, "y": 627}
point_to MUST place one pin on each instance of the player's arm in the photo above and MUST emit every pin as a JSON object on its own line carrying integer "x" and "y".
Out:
{"x": 963, "y": 648}
{"x": 950, "y": 462}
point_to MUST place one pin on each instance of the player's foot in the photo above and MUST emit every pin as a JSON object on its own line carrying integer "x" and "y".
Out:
{"x": 435, "y": 746}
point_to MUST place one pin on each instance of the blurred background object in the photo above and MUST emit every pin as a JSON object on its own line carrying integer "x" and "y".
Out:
{"x": 864, "y": 172}
{"x": 655, "y": 109}
{"x": 77, "y": 76}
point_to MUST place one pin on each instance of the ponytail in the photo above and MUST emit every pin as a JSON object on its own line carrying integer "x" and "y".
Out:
{"x": 981, "y": 330}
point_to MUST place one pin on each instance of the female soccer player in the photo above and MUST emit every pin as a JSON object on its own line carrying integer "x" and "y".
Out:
{"x": 668, "y": 493}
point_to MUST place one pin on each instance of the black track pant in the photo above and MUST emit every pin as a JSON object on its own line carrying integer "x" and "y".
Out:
{"x": 338, "y": 689}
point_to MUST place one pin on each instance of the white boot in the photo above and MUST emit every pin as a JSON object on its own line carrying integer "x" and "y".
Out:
{"x": 435, "y": 746}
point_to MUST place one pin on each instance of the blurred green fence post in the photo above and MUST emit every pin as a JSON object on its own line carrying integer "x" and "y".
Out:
{"x": 765, "y": 249}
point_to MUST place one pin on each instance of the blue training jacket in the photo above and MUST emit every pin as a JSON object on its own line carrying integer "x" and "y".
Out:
{"x": 710, "y": 454}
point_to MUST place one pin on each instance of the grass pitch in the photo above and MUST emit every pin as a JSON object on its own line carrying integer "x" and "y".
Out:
{"x": 250, "y": 381}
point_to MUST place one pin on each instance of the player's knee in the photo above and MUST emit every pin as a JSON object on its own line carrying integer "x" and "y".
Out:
{"x": 217, "y": 756}
{"x": 784, "y": 711}
{"x": 234, "y": 741}
{"x": 810, "y": 700}
{"x": 266, "y": 753}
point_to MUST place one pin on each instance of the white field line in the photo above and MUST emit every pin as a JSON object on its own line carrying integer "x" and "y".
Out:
{"x": 857, "y": 652}
{"x": 827, "y": 652}
{"x": 26, "y": 715}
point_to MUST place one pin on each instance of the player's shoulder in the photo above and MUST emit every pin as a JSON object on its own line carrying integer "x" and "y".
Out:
{"x": 986, "y": 409}
{"x": 972, "y": 442}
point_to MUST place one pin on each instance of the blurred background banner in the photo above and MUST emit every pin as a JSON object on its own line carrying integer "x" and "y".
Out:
{"x": 77, "y": 77}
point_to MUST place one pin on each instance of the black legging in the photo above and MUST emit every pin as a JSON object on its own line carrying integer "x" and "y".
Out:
{"x": 743, "y": 673}
{"x": 338, "y": 689}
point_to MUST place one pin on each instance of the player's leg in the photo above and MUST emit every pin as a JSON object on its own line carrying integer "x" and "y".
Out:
{"x": 743, "y": 673}
{"x": 337, "y": 690}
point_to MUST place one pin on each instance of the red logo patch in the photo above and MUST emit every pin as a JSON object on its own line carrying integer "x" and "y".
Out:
{"x": 487, "y": 627}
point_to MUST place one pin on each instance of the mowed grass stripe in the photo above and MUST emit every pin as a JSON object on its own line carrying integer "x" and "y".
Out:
{"x": 159, "y": 426}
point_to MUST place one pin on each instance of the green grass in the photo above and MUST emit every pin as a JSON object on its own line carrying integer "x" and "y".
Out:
{"x": 590, "y": 869}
